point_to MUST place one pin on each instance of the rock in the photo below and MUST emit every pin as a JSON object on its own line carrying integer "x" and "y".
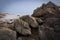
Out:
{"x": 2, "y": 15}
{"x": 10, "y": 23}
{"x": 22, "y": 27}
{"x": 35, "y": 33}
{"x": 46, "y": 9}
{"x": 2, "y": 24}
{"x": 7, "y": 24}
{"x": 53, "y": 22}
{"x": 7, "y": 21}
{"x": 53, "y": 28}
{"x": 19, "y": 38}
{"x": 25, "y": 38}
{"x": 45, "y": 32}
{"x": 43, "y": 24}
{"x": 30, "y": 20}
{"x": 59, "y": 8}
{"x": 49, "y": 13}
{"x": 40, "y": 21}
{"x": 7, "y": 34}
{"x": 42, "y": 33}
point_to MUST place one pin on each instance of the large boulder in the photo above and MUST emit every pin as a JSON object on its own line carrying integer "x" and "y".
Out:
{"x": 30, "y": 20}
{"x": 7, "y": 34}
{"x": 22, "y": 27}
{"x": 50, "y": 14}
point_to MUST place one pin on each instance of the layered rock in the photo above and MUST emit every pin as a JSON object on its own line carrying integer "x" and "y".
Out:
{"x": 49, "y": 13}
{"x": 30, "y": 20}
{"x": 43, "y": 24}
{"x": 46, "y": 9}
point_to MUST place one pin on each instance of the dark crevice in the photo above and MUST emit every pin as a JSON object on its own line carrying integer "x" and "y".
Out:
{"x": 21, "y": 35}
{"x": 35, "y": 33}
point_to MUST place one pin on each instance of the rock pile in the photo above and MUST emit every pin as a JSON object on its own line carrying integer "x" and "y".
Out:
{"x": 43, "y": 24}
{"x": 49, "y": 13}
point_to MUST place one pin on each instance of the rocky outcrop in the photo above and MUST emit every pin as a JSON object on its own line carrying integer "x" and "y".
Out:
{"x": 46, "y": 9}
{"x": 7, "y": 34}
{"x": 30, "y": 20}
{"x": 22, "y": 27}
{"x": 49, "y": 13}
{"x": 43, "y": 24}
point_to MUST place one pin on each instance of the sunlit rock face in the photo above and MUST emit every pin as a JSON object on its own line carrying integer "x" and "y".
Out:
{"x": 30, "y": 20}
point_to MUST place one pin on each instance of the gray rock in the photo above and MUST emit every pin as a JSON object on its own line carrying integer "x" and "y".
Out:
{"x": 22, "y": 27}
{"x": 7, "y": 34}
{"x": 20, "y": 38}
{"x": 30, "y": 20}
{"x": 7, "y": 24}
{"x": 46, "y": 9}
{"x": 40, "y": 21}
{"x": 46, "y": 33}
{"x": 26, "y": 38}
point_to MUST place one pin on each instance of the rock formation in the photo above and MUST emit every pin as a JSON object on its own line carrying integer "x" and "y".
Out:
{"x": 43, "y": 24}
{"x": 7, "y": 34}
{"x": 49, "y": 13}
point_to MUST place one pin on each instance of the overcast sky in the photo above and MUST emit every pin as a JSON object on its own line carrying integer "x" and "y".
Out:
{"x": 22, "y": 7}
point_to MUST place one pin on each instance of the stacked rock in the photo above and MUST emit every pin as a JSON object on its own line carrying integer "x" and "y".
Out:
{"x": 43, "y": 24}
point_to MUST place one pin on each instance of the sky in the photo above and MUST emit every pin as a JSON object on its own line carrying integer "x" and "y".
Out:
{"x": 22, "y": 7}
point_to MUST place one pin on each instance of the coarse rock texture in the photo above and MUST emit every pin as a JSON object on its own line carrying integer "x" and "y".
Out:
{"x": 47, "y": 10}
{"x": 22, "y": 27}
{"x": 7, "y": 24}
{"x": 30, "y": 20}
{"x": 43, "y": 24}
{"x": 49, "y": 13}
{"x": 7, "y": 34}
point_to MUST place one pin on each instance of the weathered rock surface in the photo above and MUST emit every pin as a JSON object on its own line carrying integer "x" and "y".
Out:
{"x": 43, "y": 24}
{"x": 30, "y": 20}
{"x": 7, "y": 34}
{"x": 49, "y": 13}
{"x": 7, "y": 24}
{"x": 22, "y": 27}
{"x": 46, "y": 9}
{"x": 19, "y": 38}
